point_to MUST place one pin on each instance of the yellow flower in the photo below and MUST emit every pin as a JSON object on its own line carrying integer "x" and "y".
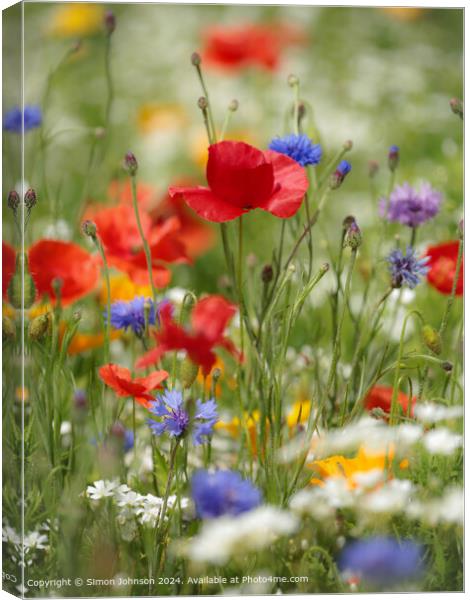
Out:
{"x": 347, "y": 468}
{"x": 402, "y": 13}
{"x": 235, "y": 427}
{"x": 299, "y": 413}
{"x": 76, "y": 19}
{"x": 158, "y": 117}
{"x": 123, "y": 288}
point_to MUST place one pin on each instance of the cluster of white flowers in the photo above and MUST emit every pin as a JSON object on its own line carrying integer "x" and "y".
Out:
{"x": 25, "y": 551}
{"x": 449, "y": 508}
{"x": 225, "y": 537}
{"x": 134, "y": 508}
{"x": 429, "y": 412}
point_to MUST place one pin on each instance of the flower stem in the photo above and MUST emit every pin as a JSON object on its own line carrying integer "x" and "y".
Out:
{"x": 451, "y": 299}
{"x": 148, "y": 254}
{"x": 171, "y": 471}
{"x": 107, "y": 337}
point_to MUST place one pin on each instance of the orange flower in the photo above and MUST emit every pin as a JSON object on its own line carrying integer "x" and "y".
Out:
{"x": 120, "y": 380}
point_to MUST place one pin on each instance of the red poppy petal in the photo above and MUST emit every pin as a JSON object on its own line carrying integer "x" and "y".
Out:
{"x": 115, "y": 377}
{"x": 290, "y": 186}
{"x": 78, "y": 270}
{"x": 211, "y": 315}
{"x": 207, "y": 205}
{"x": 380, "y": 396}
{"x": 150, "y": 358}
{"x": 152, "y": 381}
{"x": 8, "y": 266}
{"x": 239, "y": 174}
{"x": 443, "y": 262}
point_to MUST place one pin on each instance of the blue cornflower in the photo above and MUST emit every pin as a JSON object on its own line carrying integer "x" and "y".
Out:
{"x": 223, "y": 493}
{"x": 13, "y": 119}
{"x": 406, "y": 268}
{"x": 176, "y": 421}
{"x": 338, "y": 176}
{"x": 132, "y": 314}
{"x": 298, "y": 147}
{"x": 128, "y": 440}
{"x": 381, "y": 560}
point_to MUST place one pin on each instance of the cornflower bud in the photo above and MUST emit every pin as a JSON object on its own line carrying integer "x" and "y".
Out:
{"x": 292, "y": 80}
{"x": 432, "y": 339}
{"x": 80, "y": 399}
{"x": 447, "y": 366}
{"x": 202, "y": 103}
{"x": 89, "y": 228}
{"x": 348, "y": 144}
{"x": 30, "y": 199}
{"x": 130, "y": 164}
{"x": 13, "y": 200}
{"x": 338, "y": 176}
{"x": 456, "y": 106}
{"x": 267, "y": 274}
{"x": 109, "y": 22}
{"x": 196, "y": 59}
{"x": 233, "y": 106}
{"x": 353, "y": 236}
{"x": 393, "y": 157}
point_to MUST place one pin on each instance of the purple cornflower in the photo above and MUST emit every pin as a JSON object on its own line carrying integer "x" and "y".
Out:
{"x": 223, "y": 493}
{"x": 13, "y": 119}
{"x": 132, "y": 314}
{"x": 176, "y": 421}
{"x": 406, "y": 268}
{"x": 411, "y": 207}
{"x": 298, "y": 147}
{"x": 381, "y": 560}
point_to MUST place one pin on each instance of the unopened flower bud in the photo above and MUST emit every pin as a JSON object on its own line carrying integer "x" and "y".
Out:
{"x": 188, "y": 373}
{"x": 378, "y": 413}
{"x": 195, "y": 59}
{"x": 348, "y": 144}
{"x": 216, "y": 374}
{"x": 40, "y": 327}
{"x": 30, "y": 199}
{"x": 202, "y": 103}
{"x": 393, "y": 157}
{"x": 233, "y": 106}
{"x": 456, "y": 106}
{"x": 347, "y": 222}
{"x": 373, "y": 168}
{"x": 13, "y": 200}
{"x": 89, "y": 228}
{"x": 447, "y": 366}
{"x": 292, "y": 80}
{"x": 338, "y": 176}
{"x": 109, "y": 22}
{"x": 80, "y": 399}
{"x": 461, "y": 229}
{"x": 8, "y": 329}
{"x": 130, "y": 164}
{"x": 76, "y": 317}
{"x": 353, "y": 236}
{"x": 20, "y": 286}
{"x": 432, "y": 339}
{"x": 267, "y": 274}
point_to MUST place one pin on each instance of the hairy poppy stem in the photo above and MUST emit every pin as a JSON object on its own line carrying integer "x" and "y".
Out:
{"x": 148, "y": 254}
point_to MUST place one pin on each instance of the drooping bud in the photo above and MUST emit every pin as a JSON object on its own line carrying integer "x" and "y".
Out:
{"x": 292, "y": 80}
{"x": 21, "y": 286}
{"x": 373, "y": 168}
{"x": 89, "y": 228}
{"x": 233, "y": 106}
{"x": 13, "y": 200}
{"x": 196, "y": 59}
{"x": 8, "y": 329}
{"x": 338, "y": 176}
{"x": 267, "y": 274}
{"x": 202, "y": 103}
{"x": 353, "y": 236}
{"x": 40, "y": 327}
{"x": 447, "y": 366}
{"x": 432, "y": 339}
{"x": 456, "y": 106}
{"x": 188, "y": 373}
{"x": 30, "y": 199}
{"x": 130, "y": 164}
{"x": 348, "y": 144}
{"x": 109, "y": 22}
{"x": 393, "y": 157}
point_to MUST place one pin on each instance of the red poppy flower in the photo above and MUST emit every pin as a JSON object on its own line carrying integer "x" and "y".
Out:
{"x": 8, "y": 266}
{"x": 119, "y": 379}
{"x": 78, "y": 270}
{"x": 121, "y": 239}
{"x": 442, "y": 266}
{"x": 241, "y": 178}
{"x": 209, "y": 319}
{"x": 380, "y": 396}
{"x": 238, "y": 46}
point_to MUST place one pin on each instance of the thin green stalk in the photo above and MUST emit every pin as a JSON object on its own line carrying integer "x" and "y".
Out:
{"x": 212, "y": 128}
{"x": 450, "y": 301}
{"x": 107, "y": 336}
{"x": 169, "y": 481}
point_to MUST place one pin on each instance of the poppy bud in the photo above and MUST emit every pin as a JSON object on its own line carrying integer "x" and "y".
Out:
{"x": 8, "y": 329}
{"x": 373, "y": 168}
{"x": 188, "y": 373}
{"x": 393, "y": 157}
{"x": 456, "y": 106}
{"x": 21, "y": 286}
{"x": 353, "y": 236}
{"x": 233, "y": 106}
{"x": 267, "y": 274}
{"x": 30, "y": 199}
{"x": 348, "y": 144}
{"x": 109, "y": 22}
{"x": 195, "y": 59}
{"x": 338, "y": 176}
{"x": 89, "y": 228}
{"x": 130, "y": 164}
{"x": 40, "y": 327}
{"x": 432, "y": 339}
{"x": 292, "y": 80}
{"x": 447, "y": 366}
{"x": 202, "y": 103}
{"x": 13, "y": 200}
